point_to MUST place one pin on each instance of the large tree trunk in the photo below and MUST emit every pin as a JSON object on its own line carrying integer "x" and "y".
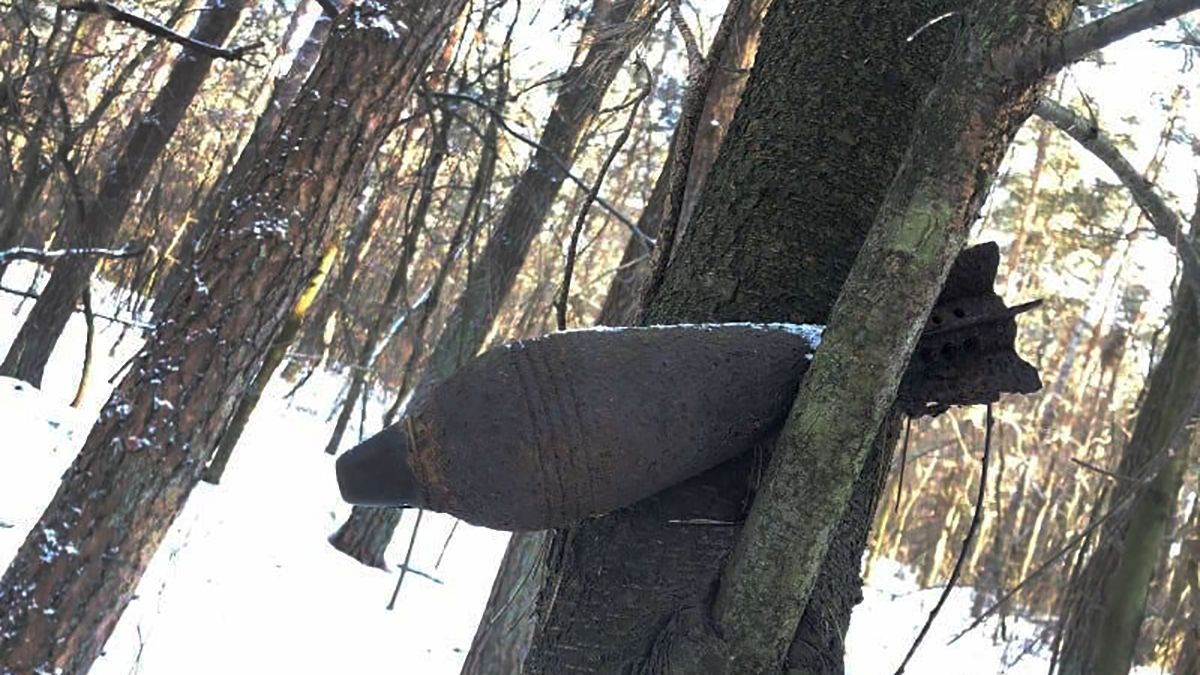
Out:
{"x": 78, "y": 569}
{"x": 1110, "y": 596}
{"x": 122, "y": 180}
{"x": 613, "y": 30}
{"x": 787, "y": 206}
{"x": 283, "y": 93}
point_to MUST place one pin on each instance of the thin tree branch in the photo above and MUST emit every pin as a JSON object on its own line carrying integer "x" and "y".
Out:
{"x": 503, "y": 124}
{"x": 966, "y": 546}
{"x": 423, "y": 575}
{"x": 1060, "y": 51}
{"x": 405, "y": 567}
{"x": 1165, "y": 220}
{"x": 564, "y": 291}
{"x": 126, "y": 322}
{"x": 114, "y": 13}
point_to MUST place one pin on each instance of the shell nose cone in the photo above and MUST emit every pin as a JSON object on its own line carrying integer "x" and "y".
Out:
{"x": 375, "y": 473}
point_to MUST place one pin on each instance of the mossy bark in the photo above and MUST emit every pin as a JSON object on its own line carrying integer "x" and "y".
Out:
{"x": 960, "y": 136}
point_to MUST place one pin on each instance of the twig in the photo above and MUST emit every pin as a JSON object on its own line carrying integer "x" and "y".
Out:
{"x": 404, "y": 568}
{"x": 85, "y": 373}
{"x": 966, "y": 546}
{"x": 1057, "y": 52}
{"x": 446, "y": 544}
{"x": 1103, "y": 472}
{"x": 930, "y": 24}
{"x": 694, "y": 57}
{"x": 423, "y": 575}
{"x": 564, "y": 290}
{"x": 111, "y": 11}
{"x": 903, "y": 465}
{"x": 559, "y": 163}
{"x": 127, "y": 322}
{"x": 1165, "y": 220}
{"x": 129, "y": 250}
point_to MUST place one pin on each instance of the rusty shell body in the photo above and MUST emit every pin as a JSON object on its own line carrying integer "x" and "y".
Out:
{"x": 541, "y": 433}
{"x": 564, "y": 437}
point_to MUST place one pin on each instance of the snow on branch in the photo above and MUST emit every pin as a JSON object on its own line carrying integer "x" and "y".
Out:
{"x": 129, "y": 250}
{"x": 111, "y": 11}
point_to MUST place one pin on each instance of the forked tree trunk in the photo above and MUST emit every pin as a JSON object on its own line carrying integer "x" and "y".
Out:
{"x": 77, "y": 570}
{"x": 97, "y": 226}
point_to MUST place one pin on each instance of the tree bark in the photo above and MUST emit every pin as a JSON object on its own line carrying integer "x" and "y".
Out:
{"x": 78, "y": 569}
{"x": 97, "y": 226}
{"x": 1103, "y": 632}
{"x": 279, "y": 347}
{"x": 283, "y": 94}
{"x": 786, "y": 207}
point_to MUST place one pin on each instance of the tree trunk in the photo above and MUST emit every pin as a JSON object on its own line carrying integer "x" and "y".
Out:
{"x": 78, "y": 569}
{"x": 613, "y": 31}
{"x": 378, "y": 333}
{"x": 720, "y": 103}
{"x": 283, "y": 94}
{"x": 1103, "y": 633}
{"x": 97, "y": 226}
{"x": 279, "y": 348}
{"x": 789, "y": 201}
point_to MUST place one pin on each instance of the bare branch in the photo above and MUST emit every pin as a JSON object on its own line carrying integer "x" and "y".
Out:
{"x": 406, "y": 566}
{"x": 972, "y": 529}
{"x": 140, "y": 325}
{"x": 1061, "y": 51}
{"x": 111, "y": 11}
{"x": 694, "y": 56}
{"x": 564, "y": 291}
{"x": 503, "y": 124}
{"x": 1165, "y": 220}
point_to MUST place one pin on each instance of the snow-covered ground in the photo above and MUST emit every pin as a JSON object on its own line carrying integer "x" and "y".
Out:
{"x": 246, "y": 583}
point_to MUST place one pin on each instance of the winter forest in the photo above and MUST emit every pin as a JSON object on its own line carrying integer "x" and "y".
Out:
{"x": 599, "y": 336}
